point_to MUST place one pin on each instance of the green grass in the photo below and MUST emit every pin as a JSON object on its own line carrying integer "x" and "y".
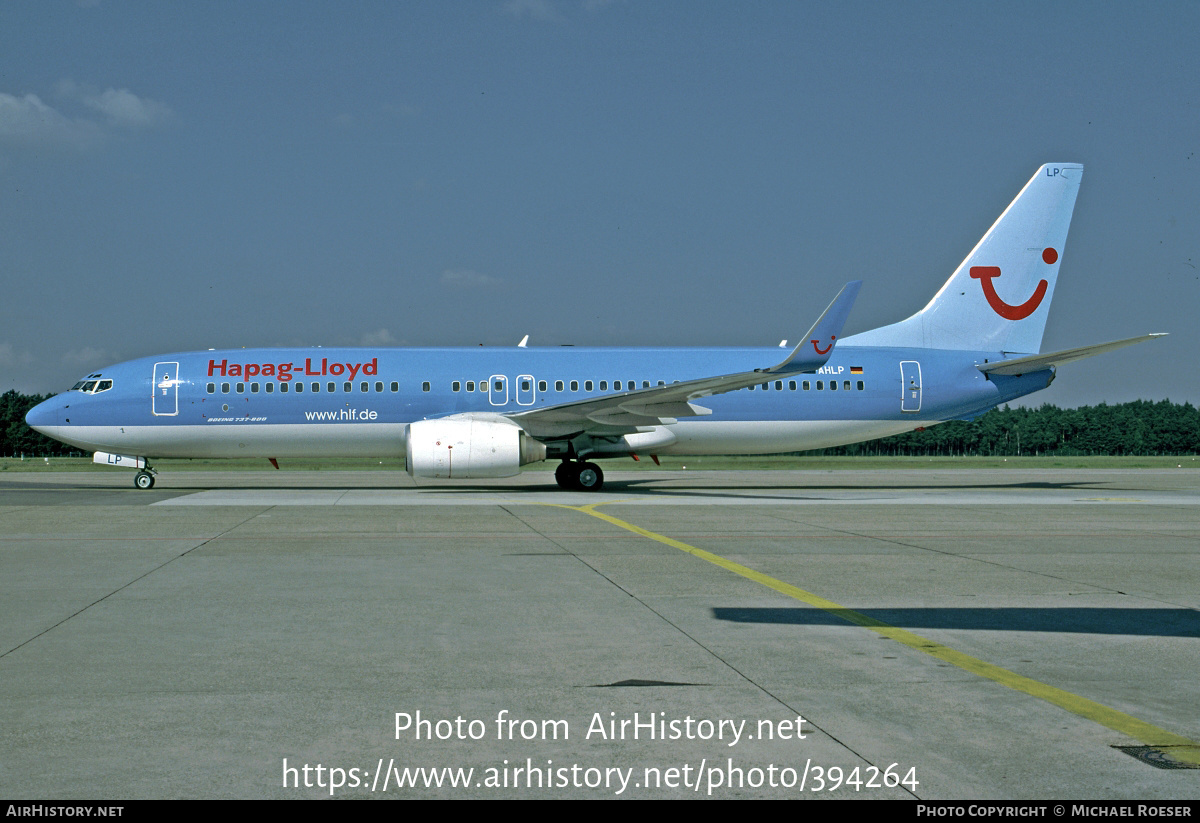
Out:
{"x": 701, "y": 463}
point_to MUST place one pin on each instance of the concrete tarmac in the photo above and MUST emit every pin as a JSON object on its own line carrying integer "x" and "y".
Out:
{"x": 942, "y": 634}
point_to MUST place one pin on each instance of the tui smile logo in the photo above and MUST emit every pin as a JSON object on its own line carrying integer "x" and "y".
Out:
{"x": 823, "y": 351}
{"x": 984, "y": 274}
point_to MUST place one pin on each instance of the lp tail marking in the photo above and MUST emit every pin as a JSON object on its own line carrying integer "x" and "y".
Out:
{"x": 1008, "y": 312}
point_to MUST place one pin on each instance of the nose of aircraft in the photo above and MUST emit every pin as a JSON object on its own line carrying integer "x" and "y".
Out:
{"x": 44, "y": 414}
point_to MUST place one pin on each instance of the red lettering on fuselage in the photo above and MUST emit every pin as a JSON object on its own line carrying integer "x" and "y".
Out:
{"x": 283, "y": 371}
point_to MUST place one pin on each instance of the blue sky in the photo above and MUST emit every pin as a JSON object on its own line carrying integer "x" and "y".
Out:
{"x": 191, "y": 175}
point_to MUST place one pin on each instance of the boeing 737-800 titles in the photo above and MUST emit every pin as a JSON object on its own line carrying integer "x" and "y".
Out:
{"x": 485, "y": 412}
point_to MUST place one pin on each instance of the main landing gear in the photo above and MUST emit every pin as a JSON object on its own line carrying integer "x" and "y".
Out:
{"x": 578, "y": 476}
{"x": 144, "y": 479}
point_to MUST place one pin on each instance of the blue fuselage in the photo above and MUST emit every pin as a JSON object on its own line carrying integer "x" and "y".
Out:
{"x": 357, "y": 402}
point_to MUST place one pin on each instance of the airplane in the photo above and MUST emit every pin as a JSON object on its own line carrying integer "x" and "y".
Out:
{"x": 485, "y": 412}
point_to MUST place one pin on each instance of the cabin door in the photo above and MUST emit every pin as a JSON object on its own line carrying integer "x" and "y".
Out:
{"x": 165, "y": 400}
{"x": 910, "y": 386}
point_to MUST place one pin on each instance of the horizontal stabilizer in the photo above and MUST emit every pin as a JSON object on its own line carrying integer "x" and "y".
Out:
{"x": 1038, "y": 362}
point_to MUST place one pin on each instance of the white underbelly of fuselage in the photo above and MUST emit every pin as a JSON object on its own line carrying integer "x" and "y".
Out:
{"x": 375, "y": 439}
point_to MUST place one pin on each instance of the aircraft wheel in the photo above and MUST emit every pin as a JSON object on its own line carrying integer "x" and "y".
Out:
{"x": 590, "y": 478}
{"x": 144, "y": 480}
{"x": 566, "y": 475}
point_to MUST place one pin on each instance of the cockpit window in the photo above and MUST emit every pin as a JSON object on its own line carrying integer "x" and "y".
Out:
{"x": 89, "y": 385}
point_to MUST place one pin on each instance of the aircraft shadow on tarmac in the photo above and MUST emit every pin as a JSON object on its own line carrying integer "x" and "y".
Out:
{"x": 659, "y": 486}
{"x": 1139, "y": 622}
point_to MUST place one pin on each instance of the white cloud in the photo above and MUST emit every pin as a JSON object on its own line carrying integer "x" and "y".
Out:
{"x": 535, "y": 9}
{"x": 379, "y": 337}
{"x": 28, "y": 120}
{"x": 88, "y": 358}
{"x": 11, "y": 358}
{"x": 125, "y": 109}
{"x": 467, "y": 279}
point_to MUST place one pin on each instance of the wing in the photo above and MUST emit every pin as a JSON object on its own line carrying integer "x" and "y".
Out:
{"x": 624, "y": 412}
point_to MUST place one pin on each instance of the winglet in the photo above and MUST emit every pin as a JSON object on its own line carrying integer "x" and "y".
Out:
{"x": 816, "y": 347}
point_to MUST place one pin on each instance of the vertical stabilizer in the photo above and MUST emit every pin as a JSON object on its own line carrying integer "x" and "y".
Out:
{"x": 999, "y": 297}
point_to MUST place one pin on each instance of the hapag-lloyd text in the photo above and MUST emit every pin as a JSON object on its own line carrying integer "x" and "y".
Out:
{"x": 284, "y": 372}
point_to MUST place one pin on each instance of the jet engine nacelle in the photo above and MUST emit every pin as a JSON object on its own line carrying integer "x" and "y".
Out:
{"x": 461, "y": 447}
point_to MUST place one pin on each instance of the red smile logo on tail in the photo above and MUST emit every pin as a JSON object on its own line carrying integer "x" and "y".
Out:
{"x": 1009, "y": 312}
{"x": 817, "y": 348}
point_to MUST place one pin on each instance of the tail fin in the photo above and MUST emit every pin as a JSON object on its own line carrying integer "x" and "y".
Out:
{"x": 999, "y": 297}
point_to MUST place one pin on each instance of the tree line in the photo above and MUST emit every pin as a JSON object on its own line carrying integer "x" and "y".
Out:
{"x": 18, "y": 439}
{"x": 1141, "y": 427}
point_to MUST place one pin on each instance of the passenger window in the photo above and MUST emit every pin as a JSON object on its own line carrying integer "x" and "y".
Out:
{"x": 470, "y": 385}
{"x": 587, "y": 386}
{"x": 766, "y": 386}
{"x": 254, "y": 388}
{"x": 331, "y": 387}
{"x": 603, "y": 385}
{"x": 347, "y": 387}
{"x": 364, "y": 386}
{"x": 283, "y": 387}
{"x": 299, "y": 387}
{"x": 224, "y": 388}
{"x": 315, "y": 387}
{"x": 846, "y": 385}
{"x": 542, "y": 386}
{"x": 778, "y": 385}
{"x": 574, "y": 385}
{"x": 860, "y": 385}
{"x": 241, "y": 388}
{"x": 805, "y": 385}
{"x": 395, "y": 387}
{"x": 424, "y": 386}
{"x": 379, "y": 386}
{"x": 791, "y": 385}
{"x": 558, "y": 385}
{"x": 212, "y": 388}
{"x": 645, "y": 384}
{"x": 270, "y": 388}
{"x": 456, "y": 386}
{"x": 820, "y": 385}
{"x": 616, "y": 385}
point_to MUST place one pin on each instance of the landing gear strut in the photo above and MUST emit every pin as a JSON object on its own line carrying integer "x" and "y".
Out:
{"x": 578, "y": 476}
